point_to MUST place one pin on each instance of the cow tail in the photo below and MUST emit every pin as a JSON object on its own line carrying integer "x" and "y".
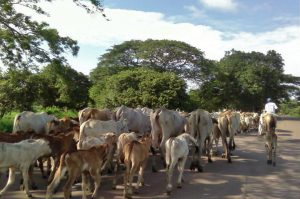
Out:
{"x": 128, "y": 155}
{"x": 16, "y": 126}
{"x": 169, "y": 151}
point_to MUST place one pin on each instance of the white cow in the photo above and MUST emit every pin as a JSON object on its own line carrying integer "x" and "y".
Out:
{"x": 165, "y": 124}
{"x": 20, "y": 156}
{"x": 177, "y": 150}
{"x": 28, "y": 120}
{"x": 97, "y": 128}
{"x": 137, "y": 121}
{"x": 201, "y": 126}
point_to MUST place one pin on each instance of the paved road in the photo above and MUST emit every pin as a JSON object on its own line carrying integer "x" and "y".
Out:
{"x": 247, "y": 177}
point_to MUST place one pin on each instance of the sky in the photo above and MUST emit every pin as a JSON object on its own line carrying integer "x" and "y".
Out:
{"x": 213, "y": 26}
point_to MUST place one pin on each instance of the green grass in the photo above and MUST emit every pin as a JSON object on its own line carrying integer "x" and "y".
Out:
{"x": 6, "y": 123}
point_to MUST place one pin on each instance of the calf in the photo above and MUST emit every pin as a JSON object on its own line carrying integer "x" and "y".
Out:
{"x": 177, "y": 150}
{"x": 123, "y": 139}
{"x": 59, "y": 144}
{"x": 81, "y": 161}
{"x": 20, "y": 156}
{"x": 108, "y": 138}
{"x": 136, "y": 154}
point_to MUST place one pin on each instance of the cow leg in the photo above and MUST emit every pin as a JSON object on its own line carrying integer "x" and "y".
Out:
{"x": 53, "y": 169}
{"x": 126, "y": 176}
{"x": 140, "y": 180}
{"x": 130, "y": 179}
{"x": 154, "y": 168}
{"x": 25, "y": 178}
{"x": 41, "y": 166}
{"x": 71, "y": 179}
{"x": 84, "y": 184}
{"x": 274, "y": 147}
{"x": 269, "y": 153}
{"x": 226, "y": 148}
{"x": 11, "y": 180}
{"x": 31, "y": 180}
{"x": 209, "y": 149}
{"x": 180, "y": 166}
{"x": 169, "y": 176}
{"x": 114, "y": 183}
{"x": 196, "y": 158}
{"x": 163, "y": 150}
{"x": 48, "y": 166}
{"x": 97, "y": 179}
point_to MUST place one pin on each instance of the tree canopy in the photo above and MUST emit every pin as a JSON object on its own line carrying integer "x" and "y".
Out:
{"x": 140, "y": 87}
{"x": 25, "y": 42}
{"x": 178, "y": 57}
{"x": 245, "y": 80}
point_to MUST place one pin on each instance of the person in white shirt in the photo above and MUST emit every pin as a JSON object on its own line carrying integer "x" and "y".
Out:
{"x": 270, "y": 106}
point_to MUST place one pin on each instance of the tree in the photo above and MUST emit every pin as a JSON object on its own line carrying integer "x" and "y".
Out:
{"x": 245, "y": 80}
{"x": 63, "y": 86}
{"x": 25, "y": 42}
{"x": 161, "y": 55}
{"x": 141, "y": 86}
{"x": 18, "y": 90}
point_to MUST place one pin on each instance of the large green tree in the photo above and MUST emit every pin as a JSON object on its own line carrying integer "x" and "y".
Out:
{"x": 178, "y": 57}
{"x": 25, "y": 42}
{"x": 142, "y": 86}
{"x": 245, "y": 80}
{"x": 18, "y": 90}
{"x": 63, "y": 86}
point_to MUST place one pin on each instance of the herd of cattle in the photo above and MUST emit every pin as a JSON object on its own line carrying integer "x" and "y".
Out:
{"x": 101, "y": 140}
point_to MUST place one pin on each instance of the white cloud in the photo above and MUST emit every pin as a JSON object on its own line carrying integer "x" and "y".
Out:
{"x": 96, "y": 32}
{"x": 195, "y": 12}
{"x": 225, "y": 5}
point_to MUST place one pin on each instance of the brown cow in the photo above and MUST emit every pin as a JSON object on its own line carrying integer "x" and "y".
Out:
{"x": 228, "y": 123}
{"x": 80, "y": 162}
{"x": 136, "y": 155}
{"x": 93, "y": 113}
{"x": 268, "y": 129}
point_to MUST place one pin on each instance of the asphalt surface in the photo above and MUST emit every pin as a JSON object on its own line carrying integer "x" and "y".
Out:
{"x": 248, "y": 176}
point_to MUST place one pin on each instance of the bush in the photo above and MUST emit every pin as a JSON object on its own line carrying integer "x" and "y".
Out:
{"x": 290, "y": 108}
{"x": 6, "y": 123}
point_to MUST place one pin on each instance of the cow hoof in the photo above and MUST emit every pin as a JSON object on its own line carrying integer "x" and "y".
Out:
{"x": 229, "y": 161}
{"x": 223, "y": 155}
{"x": 168, "y": 193}
{"x": 210, "y": 161}
{"x": 269, "y": 161}
{"x": 274, "y": 164}
{"x": 179, "y": 186}
{"x": 29, "y": 195}
{"x": 200, "y": 168}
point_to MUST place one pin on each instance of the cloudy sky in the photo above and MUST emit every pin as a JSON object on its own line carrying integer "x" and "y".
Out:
{"x": 213, "y": 26}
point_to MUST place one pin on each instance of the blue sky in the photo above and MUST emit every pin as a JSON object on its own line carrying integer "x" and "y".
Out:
{"x": 213, "y": 26}
{"x": 242, "y": 15}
